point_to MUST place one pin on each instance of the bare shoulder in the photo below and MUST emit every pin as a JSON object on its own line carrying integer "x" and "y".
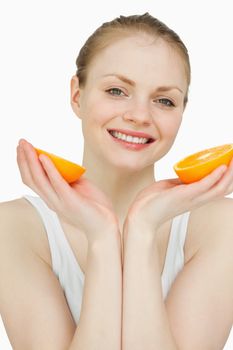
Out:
{"x": 25, "y": 278}
{"x": 19, "y": 207}
{"x": 211, "y": 224}
{"x": 16, "y": 211}
{"x": 21, "y": 224}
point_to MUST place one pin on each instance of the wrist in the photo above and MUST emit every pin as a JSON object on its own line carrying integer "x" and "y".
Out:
{"x": 110, "y": 237}
{"x": 138, "y": 230}
{"x": 106, "y": 251}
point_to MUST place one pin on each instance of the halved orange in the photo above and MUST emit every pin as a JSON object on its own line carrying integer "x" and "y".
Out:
{"x": 70, "y": 171}
{"x": 198, "y": 165}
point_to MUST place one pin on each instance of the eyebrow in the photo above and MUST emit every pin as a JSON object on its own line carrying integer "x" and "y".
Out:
{"x": 121, "y": 77}
{"x": 132, "y": 83}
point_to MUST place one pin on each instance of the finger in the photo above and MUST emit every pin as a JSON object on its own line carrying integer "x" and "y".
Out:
{"x": 219, "y": 179}
{"x": 225, "y": 184}
{"x": 196, "y": 192}
{"x": 26, "y": 174}
{"x": 175, "y": 181}
{"x": 23, "y": 168}
{"x": 59, "y": 184}
{"x": 164, "y": 185}
{"x": 36, "y": 176}
{"x": 230, "y": 187}
{"x": 206, "y": 183}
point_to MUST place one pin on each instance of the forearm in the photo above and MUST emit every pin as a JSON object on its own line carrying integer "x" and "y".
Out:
{"x": 145, "y": 322}
{"x": 101, "y": 314}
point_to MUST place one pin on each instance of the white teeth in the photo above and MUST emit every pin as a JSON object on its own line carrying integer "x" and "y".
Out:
{"x": 128, "y": 138}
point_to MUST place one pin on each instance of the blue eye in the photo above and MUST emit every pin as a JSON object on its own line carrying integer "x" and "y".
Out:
{"x": 115, "y": 91}
{"x": 166, "y": 102}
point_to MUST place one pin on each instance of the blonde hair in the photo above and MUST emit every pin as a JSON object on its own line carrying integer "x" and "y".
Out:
{"x": 118, "y": 28}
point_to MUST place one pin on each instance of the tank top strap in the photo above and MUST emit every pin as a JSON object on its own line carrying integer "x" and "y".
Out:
{"x": 53, "y": 230}
{"x": 64, "y": 263}
{"x": 174, "y": 260}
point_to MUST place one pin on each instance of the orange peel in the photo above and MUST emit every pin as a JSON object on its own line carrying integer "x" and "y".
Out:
{"x": 70, "y": 171}
{"x": 196, "y": 166}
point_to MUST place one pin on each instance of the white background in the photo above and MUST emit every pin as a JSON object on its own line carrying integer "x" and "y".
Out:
{"x": 40, "y": 41}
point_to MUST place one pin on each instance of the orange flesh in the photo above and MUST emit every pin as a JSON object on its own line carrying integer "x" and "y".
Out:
{"x": 200, "y": 164}
{"x": 70, "y": 171}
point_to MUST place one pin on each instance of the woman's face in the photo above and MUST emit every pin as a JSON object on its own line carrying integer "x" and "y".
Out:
{"x": 138, "y": 84}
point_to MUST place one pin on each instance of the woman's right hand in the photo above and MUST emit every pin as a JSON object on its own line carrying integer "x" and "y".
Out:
{"x": 80, "y": 204}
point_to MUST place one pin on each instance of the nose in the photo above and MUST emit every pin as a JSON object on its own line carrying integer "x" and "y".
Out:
{"x": 138, "y": 113}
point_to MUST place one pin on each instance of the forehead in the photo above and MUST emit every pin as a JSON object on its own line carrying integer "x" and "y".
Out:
{"x": 142, "y": 59}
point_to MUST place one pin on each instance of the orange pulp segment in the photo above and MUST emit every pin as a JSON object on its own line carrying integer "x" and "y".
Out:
{"x": 70, "y": 171}
{"x": 198, "y": 165}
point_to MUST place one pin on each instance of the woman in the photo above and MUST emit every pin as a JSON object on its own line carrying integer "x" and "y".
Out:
{"x": 118, "y": 260}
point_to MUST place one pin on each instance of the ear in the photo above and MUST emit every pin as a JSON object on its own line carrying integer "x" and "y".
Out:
{"x": 75, "y": 95}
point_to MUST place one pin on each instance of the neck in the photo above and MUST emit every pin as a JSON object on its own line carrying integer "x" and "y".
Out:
{"x": 119, "y": 185}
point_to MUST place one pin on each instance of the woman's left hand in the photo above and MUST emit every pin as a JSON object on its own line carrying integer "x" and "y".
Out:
{"x": 168, "y": 198}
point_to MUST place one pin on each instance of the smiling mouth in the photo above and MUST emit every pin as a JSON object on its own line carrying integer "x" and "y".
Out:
{"x": 150, "y": 140}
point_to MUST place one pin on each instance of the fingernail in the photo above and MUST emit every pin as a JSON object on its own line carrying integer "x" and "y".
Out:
{"x": 22, "y": 141}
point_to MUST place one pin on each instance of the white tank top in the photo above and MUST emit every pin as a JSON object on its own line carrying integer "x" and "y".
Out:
{"x": 68, "y": 271}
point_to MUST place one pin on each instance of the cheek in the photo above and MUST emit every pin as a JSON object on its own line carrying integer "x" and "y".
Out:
{"x": 103, "y": 112}
{"x": 169, "y": 127}
{"x": 96, "y": 118}
{"x": 167, "y": 130}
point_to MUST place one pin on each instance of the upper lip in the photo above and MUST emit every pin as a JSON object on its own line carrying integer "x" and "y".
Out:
{"x": 133, "y": 133}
